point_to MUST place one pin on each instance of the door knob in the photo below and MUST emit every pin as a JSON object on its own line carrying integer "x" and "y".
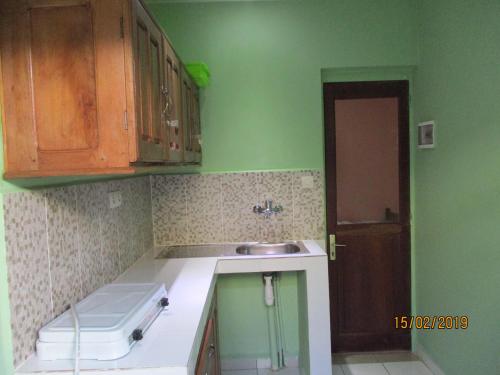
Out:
{"x": 333, "y": 247}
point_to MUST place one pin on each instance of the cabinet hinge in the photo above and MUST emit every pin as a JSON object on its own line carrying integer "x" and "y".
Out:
{"x": 122, "y": 28}
{"x": 125, "y": 120}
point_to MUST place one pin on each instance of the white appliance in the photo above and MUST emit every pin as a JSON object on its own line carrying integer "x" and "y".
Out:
{"x": 112, "y": 320}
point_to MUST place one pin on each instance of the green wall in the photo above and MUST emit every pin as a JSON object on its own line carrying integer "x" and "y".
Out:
{"x": 458, "y": 183}
{"x": 263, "y": 111}
{"x": 243, "y": 315}
{"x": 263, "y": 108}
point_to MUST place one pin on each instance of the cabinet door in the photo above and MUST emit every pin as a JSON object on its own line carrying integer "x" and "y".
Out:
{"x": 63, "y": 82}
{"x": 186, "y": 116}
{"x": 172, "y": 112}
{"x": 191, "y": 120}
{"x": 148, "y": 60}
{"x": 208, "y": 358}
{"x": 195, "y": 124}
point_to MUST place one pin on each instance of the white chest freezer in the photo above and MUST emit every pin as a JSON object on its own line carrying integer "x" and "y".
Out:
{"x": 112, "y": 320}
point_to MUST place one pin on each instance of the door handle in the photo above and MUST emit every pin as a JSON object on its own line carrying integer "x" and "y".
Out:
{"x": 333, "y": 247}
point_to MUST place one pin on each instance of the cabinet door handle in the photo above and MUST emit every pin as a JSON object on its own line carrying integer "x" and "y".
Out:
{"x": 168, "y": 101}
{"x": 211, "y": 351}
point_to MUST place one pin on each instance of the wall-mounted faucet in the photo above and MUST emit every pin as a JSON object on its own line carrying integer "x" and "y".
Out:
{"x": 268, "y": 210}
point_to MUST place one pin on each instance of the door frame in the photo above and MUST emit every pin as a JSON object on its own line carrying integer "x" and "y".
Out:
{"x": 365, "y": 90}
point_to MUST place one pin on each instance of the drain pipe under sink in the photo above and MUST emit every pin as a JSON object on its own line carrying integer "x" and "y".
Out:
{"x": 271, "y": 322}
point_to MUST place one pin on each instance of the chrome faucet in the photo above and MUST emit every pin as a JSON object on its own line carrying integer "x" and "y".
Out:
{"x": 268, "y": 210}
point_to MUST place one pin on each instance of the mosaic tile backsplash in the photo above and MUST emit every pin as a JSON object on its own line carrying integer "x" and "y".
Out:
{"x": 64, "y": 243}
{"x": 212, "y": 208}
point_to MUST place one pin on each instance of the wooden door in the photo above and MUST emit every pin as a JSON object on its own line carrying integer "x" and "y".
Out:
{"x": 64, "y": 87}
{"x": 367, "y": 164}
{"x": 172, "y": 111}
{"x": 148, "y": 50}
{"x": 187, "y": 124}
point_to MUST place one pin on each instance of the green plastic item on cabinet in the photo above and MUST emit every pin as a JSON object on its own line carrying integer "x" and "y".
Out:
{"x": 199, "y": 73}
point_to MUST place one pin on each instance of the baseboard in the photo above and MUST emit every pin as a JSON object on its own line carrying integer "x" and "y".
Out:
{"x": 428, "y": 360}
{"x": 255, "y": 363}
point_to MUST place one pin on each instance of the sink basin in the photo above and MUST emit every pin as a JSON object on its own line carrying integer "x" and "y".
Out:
{"x": 231, "y": 249}
{"x": 268, "y": 249}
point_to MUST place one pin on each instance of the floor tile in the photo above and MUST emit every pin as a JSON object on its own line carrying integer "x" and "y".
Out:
{"x": 238, "y": 364}
{"x": 364, "y": 369}
{"x": 337, "y": 370}
{"x": 396, "y": 356}
{"x": 285, "y": 371}
{"x": 346, "y": 358}
{"x": 240, "y": 372}
{"x": 407, "y": 368}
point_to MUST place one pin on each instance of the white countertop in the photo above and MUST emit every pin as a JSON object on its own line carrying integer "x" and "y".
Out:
{"x": 171, "y": 345}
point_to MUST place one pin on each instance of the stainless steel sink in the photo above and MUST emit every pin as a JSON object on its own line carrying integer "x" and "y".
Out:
{"x": 268, "y": 248}
{"x": 231, "y": 250}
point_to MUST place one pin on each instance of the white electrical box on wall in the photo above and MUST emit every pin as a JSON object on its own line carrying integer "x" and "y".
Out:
{"x": 426, "y": 134}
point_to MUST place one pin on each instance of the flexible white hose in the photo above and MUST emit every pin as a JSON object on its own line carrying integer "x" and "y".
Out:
{"x": 281, "y": 324}
{"x": 76, "y": 322}
{"x": 271, "y": 320}
{"x": 277, "y": 322}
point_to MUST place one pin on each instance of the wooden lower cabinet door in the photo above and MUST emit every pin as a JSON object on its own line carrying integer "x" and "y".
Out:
{"x": 63, "y": 87}
{"x": 208, "y": 357}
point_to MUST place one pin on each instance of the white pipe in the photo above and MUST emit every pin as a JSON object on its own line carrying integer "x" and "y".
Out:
{"x": 271, "y": 322}
{"x": 280, "y": 324}
{"x": 268, "y": 290}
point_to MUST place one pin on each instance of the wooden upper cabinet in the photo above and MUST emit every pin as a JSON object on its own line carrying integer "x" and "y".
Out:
{"x": 90, "y": 87}
{"x": 148, "y": 63}
{"x": 195, "y": 124}
{"x": 63, "y": 87}
{"x": 186, "y": 115}
{"x": 172, "y": 112}
{"x": 190, "y": 119}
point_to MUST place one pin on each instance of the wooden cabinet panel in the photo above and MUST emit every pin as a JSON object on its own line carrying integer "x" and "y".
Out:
{"x": 186, "y": 116}
{"x": 148, "y": 60}
{"x": 57, "y": 77}
{"x": 172, "y": 104}
{"x": 195, "y": 124}
{"x": 191, "y": 120}
{"x": 56, "y": 105}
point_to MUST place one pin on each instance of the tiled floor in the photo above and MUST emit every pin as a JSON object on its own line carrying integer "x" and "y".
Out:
{"x": 285, "y": 371}
{"x": 378, "y": 363}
